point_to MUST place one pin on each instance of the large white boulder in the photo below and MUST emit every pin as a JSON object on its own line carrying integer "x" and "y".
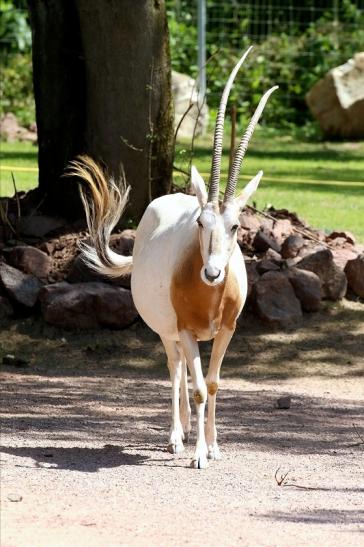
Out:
{"x": 337, "y": 100}
{"x": 185, "y": 93}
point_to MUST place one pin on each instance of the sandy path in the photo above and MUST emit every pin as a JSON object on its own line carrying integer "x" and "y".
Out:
{"x": 85, "y": 427}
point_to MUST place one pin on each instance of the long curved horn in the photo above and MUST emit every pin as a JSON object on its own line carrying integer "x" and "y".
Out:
{"x": 219, "y": 132}
{"x": 243, "y": 145}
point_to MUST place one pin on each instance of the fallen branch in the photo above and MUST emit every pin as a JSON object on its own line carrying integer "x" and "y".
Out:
{"x": 280, "y": 481}
{"x": 16, "y": 196}
{"x": 303, "y": 232}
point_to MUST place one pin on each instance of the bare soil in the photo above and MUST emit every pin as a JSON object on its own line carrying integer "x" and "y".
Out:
{"x": 85, "y": 427}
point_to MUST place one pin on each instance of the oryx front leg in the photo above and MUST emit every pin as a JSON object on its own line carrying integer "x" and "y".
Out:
{"x": 220, "y": 345}
{"x": 175, "y": 443}
{"x": 191, "y": 351}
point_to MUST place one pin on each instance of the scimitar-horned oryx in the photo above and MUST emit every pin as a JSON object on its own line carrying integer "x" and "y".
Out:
{"x": 188, "y": 277}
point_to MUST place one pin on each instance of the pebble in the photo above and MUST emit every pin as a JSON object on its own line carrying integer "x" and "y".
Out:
{"x": 14, "y": 497}
{"x": 284, "y": 402}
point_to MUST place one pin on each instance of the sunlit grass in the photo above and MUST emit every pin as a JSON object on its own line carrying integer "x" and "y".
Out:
{"x": 322, "y": 182}
{"x": 17, "y": 155}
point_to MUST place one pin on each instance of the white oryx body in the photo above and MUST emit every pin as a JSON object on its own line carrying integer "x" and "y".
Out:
{"x": 188, "y": 277}
{"x": 165, "y": 238}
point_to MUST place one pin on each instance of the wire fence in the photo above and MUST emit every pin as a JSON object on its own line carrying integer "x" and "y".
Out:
{"x": 296, "y": 43}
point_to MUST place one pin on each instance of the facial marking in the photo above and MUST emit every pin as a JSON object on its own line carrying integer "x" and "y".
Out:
{"x": 208, "y": 219}
{"x": 217, "y": 240}
{"x": 231, "y": 217}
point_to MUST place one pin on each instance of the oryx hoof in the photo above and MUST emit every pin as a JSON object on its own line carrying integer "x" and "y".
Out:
{"x": 175, "y": 448}
{"x": 214, "y": 452}
{"x": 199, "y": 460}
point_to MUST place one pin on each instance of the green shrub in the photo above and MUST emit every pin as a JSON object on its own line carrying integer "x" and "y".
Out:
{"x": 295, "y": 57}
{"x": 16, "y": 88}
{"x": 16, "y": 85}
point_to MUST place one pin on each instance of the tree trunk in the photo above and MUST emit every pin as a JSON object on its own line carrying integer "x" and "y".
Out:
{"x": 102, "y": 87}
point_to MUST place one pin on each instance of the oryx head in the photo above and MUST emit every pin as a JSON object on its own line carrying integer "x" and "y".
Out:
{"x": 218, "y": 224}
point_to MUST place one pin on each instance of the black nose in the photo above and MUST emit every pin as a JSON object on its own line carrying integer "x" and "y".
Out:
{"x": 212, "y": 277}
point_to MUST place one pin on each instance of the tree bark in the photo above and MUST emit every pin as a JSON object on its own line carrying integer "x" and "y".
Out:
{"x": 102, "y": 87}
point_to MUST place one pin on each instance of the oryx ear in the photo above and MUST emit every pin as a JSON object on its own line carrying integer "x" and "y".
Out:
{"x": 198, "y": 185}
{"x": 248, "y": 191}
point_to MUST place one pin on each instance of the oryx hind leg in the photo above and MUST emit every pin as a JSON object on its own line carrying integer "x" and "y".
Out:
{"x": 175, "y": 443}
{"x": 185, "y": 408}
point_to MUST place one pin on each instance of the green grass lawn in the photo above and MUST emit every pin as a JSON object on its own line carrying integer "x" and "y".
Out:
{"x": 14, "y": 157}
{"x": 322, "y": 182}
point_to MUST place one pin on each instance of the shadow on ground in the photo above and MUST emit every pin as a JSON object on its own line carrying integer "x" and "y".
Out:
{"x": 130, "y": 416}
{"x": 112, "y": 389}
{"x": 341, "y": 516}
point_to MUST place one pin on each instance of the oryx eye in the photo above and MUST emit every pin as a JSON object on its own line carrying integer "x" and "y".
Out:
{"x": 234, "y": 228}
{"x": 199, "y": 223}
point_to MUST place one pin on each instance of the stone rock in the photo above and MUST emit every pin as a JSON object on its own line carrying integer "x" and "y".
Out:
{"x": 337, "y": 100}
{"x": 266, "y": 265}
{"x": 311, "y": 247}
{"x": 253, "y": 276}
{"x": 185, "y": 94}
{"x": 275, "y": 300}
{"x": 81, "y": 273}
{"x": 123, "y": 243}
{"x": 282, "y": 228}
{"x": 272, "y": 255}
{"x": 292, "y": 262}
{"x": 30, "y": 260}
{"x": 47, "y": 247}
{"x": 354, "y": 271}
{"x": 10, "y": 129}
{"x": 87, "y": 305}
{"x": 307, "y": 287}
{"x": 291, "y": 246}
{"x": 22, "y": 288}
{"x": 338, "y": 242}
{"x": 284, "y": 402}
{"x": 266, "y": 224}
{"x": 6, "y": 309}
{"x": 249, "y": 222}
{"x": 343, "y": 255}
{"x": 262, "y": 242}
{"x": 14, "y": 497}
{"x": 39, "y": 225}
{"x": 347, "y": 236}
{"x": 333, "y": 279}
{"x": 249, "y": 225}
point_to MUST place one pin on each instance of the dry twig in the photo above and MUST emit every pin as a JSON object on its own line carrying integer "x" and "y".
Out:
{"x": 200, "y": 103}
{"x": 303, "y": 232}
{"x": 280, "y": 481}
{"x": 151, "y": 132}
{"x": 131, "y": 146}
{"x": 16, "y": 196}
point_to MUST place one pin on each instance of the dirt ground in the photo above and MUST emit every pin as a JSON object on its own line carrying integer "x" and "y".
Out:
{"x": 85, "y": 427}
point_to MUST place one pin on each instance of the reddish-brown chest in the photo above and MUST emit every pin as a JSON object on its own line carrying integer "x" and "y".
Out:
{"x": 200, "y": 308}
